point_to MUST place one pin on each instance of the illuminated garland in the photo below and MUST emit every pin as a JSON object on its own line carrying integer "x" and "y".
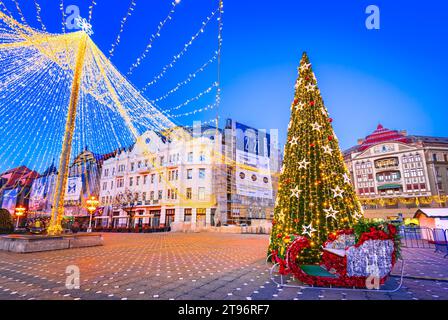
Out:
{"x": 404, "y": 200}
{"x": 190, "y": 77}
{"x": 122, "y": 24}
{"x": 181, "y": 53}
{"x": 153, "y": 37}
{"x": 195, "y": 98}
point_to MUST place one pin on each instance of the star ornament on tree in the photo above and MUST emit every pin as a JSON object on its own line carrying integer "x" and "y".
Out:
{"x": 316, "y": 126}
{"x": 303, "y": 164}
{"x": 337, "y": 192}
{"x": 357, "y": 215}
{"x": 327, "y": 149}
{"x": 300, "y": 106}
{"x": 308, "y": 230}
{"x": 305, "y": 66}
{"x": 294, "y": 141}
{"x": 84, "y": 25}
{"x": 310, "y": 87}
{"x": 346, "y": 178}
{"x": 296, "y": 192}
{"x": 330, "y": 212}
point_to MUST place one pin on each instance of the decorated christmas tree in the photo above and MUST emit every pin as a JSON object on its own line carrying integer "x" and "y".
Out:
{"x": 315, "y": 195}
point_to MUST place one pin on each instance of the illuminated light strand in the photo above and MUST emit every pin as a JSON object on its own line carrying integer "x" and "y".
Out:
{"x": 61, "y": 7}
{"x": 189, "y": 113}
{"x": 22, "y": 17}
{"x": 195, "y": 98}
{"x": 122, "y": 24}
{"x": 181, "y": 53}
{"x": 153, "y": 37}
{"x": 190, "y": 77}
{"x": 38, "y": 16}
{"x": 218, "y": 87}
{"x": 92, "y": 4}
{"x": 5, "y": 9}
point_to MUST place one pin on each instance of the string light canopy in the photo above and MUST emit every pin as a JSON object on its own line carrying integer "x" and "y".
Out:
{"x": 60, "y": 92}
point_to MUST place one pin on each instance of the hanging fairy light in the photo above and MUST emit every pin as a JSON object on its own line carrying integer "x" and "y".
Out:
{"x": 187, "y": 45}
{"x": 122, "y": 24}
{"x": 153, "y": 37}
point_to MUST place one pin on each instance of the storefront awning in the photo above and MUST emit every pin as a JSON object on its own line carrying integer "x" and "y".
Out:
{"x": 390, "y": 186}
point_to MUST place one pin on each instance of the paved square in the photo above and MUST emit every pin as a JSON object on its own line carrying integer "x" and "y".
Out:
{"x": 188, "y": 266}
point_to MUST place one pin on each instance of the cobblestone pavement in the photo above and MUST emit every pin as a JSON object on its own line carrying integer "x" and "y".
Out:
{"x": 189, "y": 266}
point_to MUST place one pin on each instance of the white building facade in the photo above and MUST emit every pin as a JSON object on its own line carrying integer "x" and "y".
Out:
{"x": 162, "y": 182}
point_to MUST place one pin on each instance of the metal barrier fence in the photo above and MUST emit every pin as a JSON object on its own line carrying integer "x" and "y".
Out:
{"x": 422, "y": 237}
{"x": 417, "y": 237}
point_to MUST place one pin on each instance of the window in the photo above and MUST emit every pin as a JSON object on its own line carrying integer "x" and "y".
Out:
{"x": 187, "y": 215}
{"x": 137, "y": 181}
{"x": 160, "y": 177}
{"x": 201, "y": 156}
{"x": 160, "y": 195}
{"x": 139, "y": 164}
{"x": 145, "y": 179}
{"x": 162, "y": 160}
{"x": 111, "y": 184}
{"x": 190, "y": 157}
{"x": 144, "y": 196}
{"x": 104, "y": 185}
{"x": 201, "y": 173}
{"x": 131, "y": 181}
{"x": 132, "y": 166}
{"x": 120, "y": 183}
{"x": 153, "y": 177}
{"x": 201, "y": 193}
{"x": 189, "y": 193}
{"x": 190, "y": 174}
{"x": 151, "y": 195}
{"x": 106, "y": 172}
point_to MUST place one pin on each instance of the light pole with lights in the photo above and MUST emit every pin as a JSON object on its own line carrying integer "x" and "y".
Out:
{"x": 20, "y": 211}
{"x": 92, "y": 204}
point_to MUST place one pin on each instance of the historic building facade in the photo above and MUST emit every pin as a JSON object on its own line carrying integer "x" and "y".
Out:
{"x": 191, "y": 178}
{"x": 395, "y": 173}
{"x": 161, "y": 180}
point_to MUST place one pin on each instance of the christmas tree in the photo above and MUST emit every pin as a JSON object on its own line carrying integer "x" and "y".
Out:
{"x": 315, "y": 195}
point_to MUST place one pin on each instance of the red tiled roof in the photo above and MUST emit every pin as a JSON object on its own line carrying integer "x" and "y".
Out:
{"x": 20, "y": 176}
{"x": 382, "y": 134}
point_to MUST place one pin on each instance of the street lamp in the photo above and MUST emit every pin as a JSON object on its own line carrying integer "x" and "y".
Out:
{"x": 20, "y": 211}
{"x": 92, "y": 204}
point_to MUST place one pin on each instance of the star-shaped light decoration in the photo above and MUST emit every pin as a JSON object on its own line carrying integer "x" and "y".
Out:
{"x": 84, "y": 25}
{"x": 298, "y": 83}
{"x": 308, "y": 230}
{"x": 346, "y": 178}
{"x": 303, "y": 164}
{"x": 294, "y": 141}
{"x": 305, "y": 66}
{"x": 310, "y": 87}
{"x": 327, "y": 149}
{"x": 330, "y": 212}
{"x": 296, "y": 192}
{"x": 300, "y": 106}
{"x": 316, "y": 126}
{"x": 324, "y": 111}
{"x": 357, "y": 215}
{"x": 281, "y": 216}
{"x": 337, "y": 192}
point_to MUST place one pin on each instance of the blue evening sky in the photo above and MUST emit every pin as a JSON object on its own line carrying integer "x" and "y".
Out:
{"x": 395, "y": 76}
